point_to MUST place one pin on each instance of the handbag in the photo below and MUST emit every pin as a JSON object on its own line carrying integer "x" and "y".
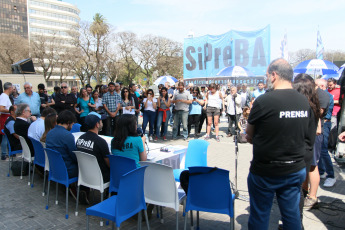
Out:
{"x": 241, "y": 138}
{"x": 17, "y": 167}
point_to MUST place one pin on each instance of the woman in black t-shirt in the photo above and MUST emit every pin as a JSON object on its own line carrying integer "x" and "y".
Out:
{"x": 305, "y": 84}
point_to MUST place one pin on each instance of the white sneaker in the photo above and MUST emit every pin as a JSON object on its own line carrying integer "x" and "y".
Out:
{"x": 150, "y": 138}
{"x": 323, "y": 176}
{"x": 329, "y": 182}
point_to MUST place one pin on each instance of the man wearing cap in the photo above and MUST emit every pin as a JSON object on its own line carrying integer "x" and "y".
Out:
{"x": 43, "y": 96}
{"x": 92, "y": 144}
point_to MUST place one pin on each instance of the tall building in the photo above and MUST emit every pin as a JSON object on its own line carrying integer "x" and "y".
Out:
{"x": 53, "y": 18}
{"x": 13, "y": 17}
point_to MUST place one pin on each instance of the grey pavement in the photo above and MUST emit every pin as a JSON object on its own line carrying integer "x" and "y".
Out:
{"x": 23, "y": 207}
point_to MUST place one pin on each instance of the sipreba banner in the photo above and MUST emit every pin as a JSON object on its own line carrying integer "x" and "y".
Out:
{"x": 205, "y": 56}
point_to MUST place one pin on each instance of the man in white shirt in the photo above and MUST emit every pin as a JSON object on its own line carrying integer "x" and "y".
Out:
{"x": 37, "y": 127}
{"x": 5, "y": 104}
{"x": 230, "y": 100}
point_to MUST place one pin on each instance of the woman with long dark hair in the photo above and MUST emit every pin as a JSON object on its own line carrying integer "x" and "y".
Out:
{"x": 195, "y": 110}
{"x": 128, "y": 104}
{"x": 49, "y": 124}
{"x": 126, "y": 141}
{"x": 149, "y": 114}
{"x": 163, "y": 115}
{"x": 305, "y": 84}
{"x": 84, "y": 102}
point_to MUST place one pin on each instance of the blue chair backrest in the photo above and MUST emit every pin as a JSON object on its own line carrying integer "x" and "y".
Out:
{"x": 75, "y": 128}
{"x": 196, "y": 153}
{"x": 130, "y": 198}
{"x": 40, "y": 158}
{"x": 57, "y": 167}
{"x": 209, "y": 191}
{"x": 118, "y": 167}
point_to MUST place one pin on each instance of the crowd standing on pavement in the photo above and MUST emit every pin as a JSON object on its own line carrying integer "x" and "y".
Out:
{"x": 296, "y": 148}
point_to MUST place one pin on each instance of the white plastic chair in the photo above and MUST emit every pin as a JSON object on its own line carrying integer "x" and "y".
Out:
{"x": 25, "y": 156}
{"x": 46, "y": 165}
{"x": 160, "y": 187}
{"x": 90, "y": 175}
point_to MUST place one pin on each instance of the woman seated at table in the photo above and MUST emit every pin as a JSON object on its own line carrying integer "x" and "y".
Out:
{"x": 126, "y": 141}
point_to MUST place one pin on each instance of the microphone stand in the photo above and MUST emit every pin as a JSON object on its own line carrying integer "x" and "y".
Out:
{"x": 234, "y": 186}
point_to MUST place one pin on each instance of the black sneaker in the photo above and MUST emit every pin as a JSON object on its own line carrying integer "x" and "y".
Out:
{"x": 3, "y": 158}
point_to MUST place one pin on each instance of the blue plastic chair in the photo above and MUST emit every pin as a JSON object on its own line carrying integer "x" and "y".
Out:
{"x": 196, "y": 156}
{"x": 75, "y": 128}
{"x": 118, "y": 167}
{"x": 129, "y": 201}
{"x": 209, "y": 191}
{"x": 40, "y": 159}
{"x": 10, "y": 153}
{"x": 58, "y": 173}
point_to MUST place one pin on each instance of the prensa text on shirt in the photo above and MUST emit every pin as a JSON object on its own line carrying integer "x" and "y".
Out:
{"x": 293, "y": 114}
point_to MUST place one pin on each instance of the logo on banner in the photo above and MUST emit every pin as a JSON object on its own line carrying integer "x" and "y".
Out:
{"x": 205, "y": 56}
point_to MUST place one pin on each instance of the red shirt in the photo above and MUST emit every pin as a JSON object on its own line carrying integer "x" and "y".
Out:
{"x": 336, "y": 95}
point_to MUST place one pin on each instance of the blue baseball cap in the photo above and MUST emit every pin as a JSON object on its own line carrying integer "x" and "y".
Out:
{"x": 92, "y": 118}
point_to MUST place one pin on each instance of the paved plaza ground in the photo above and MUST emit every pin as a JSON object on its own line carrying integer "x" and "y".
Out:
{"x": 23, "y": 207}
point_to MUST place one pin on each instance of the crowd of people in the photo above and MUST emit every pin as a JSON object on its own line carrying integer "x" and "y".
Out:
{"x": 287, "y": 122}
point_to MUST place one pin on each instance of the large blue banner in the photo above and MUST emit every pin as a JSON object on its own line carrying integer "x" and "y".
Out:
{"x": 205, "y": 56}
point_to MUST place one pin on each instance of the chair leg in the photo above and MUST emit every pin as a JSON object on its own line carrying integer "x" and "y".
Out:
{"x": 191, "y": 220}
{"x": 66, "y": 202}
{"x": 9, "y": 165}
{"x": 140, "y": 219}
{"x": 21, "y": 169}
{"x": 29, "y": 173}
{"x": 47, "y": 206}
{"x": 56, "y": 194}
{"x": 101, "y": 222}
{"x": 147, "y": 220}
{"x": 162, "y": 220}
{"x": 33, "y": 175}
{"x": 232, "y": 223}
{"x": 197, "y": 220}
{"x": 87, "y": 222}
{"x": 44, "y": 183}
{"x": 113, "y": 226}
{"x": 176, "y": 220}
{"x": 185, "y": 220}
{"x": 76, "y": 207}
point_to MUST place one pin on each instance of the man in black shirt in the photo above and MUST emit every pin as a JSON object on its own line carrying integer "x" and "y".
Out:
{"x": 92, "y": 144}
{"x": 65, "y": 100}
{"x": 278, "y": 128}
{"x": 43, "y": 97}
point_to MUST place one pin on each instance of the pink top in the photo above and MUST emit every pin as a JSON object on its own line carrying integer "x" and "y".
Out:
{"x": 336, "y": 95}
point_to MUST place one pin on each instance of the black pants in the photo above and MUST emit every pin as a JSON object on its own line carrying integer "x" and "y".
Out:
{"x": 194, "y": 120}
{"x": 233, "y": 125}
{"x": 111, "y": 125}
{"x": 203, "y": 117}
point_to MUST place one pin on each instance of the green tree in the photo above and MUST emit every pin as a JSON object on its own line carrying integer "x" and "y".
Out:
{"x": 100, "y": 30}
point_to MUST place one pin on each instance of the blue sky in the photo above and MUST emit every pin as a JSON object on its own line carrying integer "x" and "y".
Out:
{"x": 175, "y": 18}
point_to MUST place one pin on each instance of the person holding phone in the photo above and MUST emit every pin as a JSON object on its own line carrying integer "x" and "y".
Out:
{"x": 195, "y": 110}
{"x": 149, "y": 115}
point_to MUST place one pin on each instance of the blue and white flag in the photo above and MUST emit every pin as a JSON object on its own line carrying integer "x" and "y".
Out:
{"x": 284, "y": 48}
{"x": 319, "y": 46}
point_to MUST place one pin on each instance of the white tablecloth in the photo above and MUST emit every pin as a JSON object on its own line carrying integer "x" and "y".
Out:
{"x": 174, "y": 158}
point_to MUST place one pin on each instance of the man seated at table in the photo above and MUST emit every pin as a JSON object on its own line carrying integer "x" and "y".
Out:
{"x": 36, "y": 128}
{"x": 21, "y": 125}
{"x": 61, "y": 139}
{"x": 93, "y": 144}
{"x": 13, "y": 138}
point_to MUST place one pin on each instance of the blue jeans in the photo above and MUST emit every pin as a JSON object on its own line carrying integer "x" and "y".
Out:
{"x": 179, "y": 116}
{"x": 149, "y": 117}
{"x": 325, "y": 162}
{"x": 4, "y": 150}
{"x": 159, "y": 122}
{"x": 287, "y": 189}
